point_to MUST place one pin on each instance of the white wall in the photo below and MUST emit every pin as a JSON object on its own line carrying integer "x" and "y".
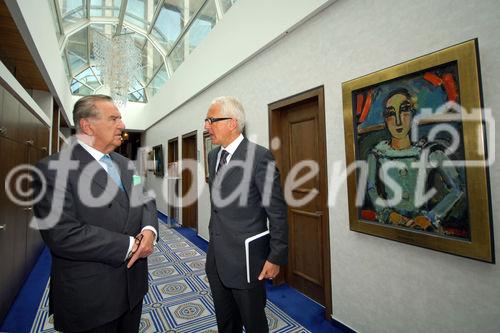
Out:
{"x": 211, "y": 60}
{"x": 132, "y": 109}
{"x": 35, "y": 24}
{"x": 250, "y": 25}
{"x": 377, "y": 285}
{"x": 44, "y": 100}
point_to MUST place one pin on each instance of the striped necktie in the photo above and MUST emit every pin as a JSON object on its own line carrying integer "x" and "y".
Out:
{"x": 223, "y": 159}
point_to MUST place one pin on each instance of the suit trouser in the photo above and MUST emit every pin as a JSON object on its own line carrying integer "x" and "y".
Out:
{"x": 235, "y": 308}
{"x": 126, "y": 323}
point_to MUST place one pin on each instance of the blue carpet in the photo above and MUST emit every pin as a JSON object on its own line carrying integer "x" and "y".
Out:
{"x": 193, "y": 238}
{"x": 305, "y": 311}
{"x": 179, "y": 298}
{"x": 22, "y": 312}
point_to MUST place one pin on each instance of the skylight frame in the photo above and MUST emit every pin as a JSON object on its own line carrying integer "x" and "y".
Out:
{"x": 87, "y": 20}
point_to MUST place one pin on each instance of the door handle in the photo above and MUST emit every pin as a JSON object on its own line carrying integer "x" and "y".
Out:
{"x": 3, "y": 130}
{"x": 3, "y": 227}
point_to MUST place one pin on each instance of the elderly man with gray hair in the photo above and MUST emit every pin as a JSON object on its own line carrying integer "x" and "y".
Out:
{"x": 245, "y": 193}
{"x": 99, "y": 251}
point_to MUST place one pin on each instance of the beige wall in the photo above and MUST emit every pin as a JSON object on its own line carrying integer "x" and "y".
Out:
{"x": 377, "y": 285}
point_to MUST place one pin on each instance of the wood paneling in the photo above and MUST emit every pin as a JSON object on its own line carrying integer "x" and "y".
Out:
{"x": 24, "y": 139}
{"x": 34, "y": 240}
{"x": 15, "y": 55}
{"x": 9, "y": 117}
{"x": 11, "y": 225}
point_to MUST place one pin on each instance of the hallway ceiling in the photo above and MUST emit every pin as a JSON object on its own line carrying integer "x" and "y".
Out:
{"x": 165, "y": 31}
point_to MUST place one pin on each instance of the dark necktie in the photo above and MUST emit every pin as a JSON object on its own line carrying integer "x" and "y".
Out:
{"x": 223, "y": 159}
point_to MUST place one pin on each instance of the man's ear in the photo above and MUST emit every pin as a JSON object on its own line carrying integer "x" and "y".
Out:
{"x": 86, "y": 126}
{"x": 233, "y": 123}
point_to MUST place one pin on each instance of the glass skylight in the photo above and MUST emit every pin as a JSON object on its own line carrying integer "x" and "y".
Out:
{"x": 166, "y": 32}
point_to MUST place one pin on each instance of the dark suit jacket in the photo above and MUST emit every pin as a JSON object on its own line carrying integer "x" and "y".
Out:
{"x": 245, "y": 216}
{"x": 90, "y": 283}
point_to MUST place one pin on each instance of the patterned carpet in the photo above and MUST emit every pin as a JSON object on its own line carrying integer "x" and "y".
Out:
{"x": 179, "y": 297}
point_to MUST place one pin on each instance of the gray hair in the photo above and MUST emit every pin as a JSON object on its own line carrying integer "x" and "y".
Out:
{"x": 85, "y": 108}
{"x": 231, "y": 107}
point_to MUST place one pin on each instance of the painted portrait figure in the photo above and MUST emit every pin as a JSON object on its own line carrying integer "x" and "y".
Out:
{"x": 412, "y": 182}
{"x": 401, "y": 158}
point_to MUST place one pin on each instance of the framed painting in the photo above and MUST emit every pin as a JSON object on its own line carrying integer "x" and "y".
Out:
{"x": 207, "y": 147}
{"x": 417, "y": 156}
{"x": 158, "y": 161}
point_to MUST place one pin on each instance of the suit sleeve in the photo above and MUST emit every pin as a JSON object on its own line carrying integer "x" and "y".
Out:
{"x": 267, "y": 180}
{"x": 69, "y": 238}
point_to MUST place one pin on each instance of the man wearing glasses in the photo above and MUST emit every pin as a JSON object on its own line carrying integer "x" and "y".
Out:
{"x": 245, "y": 193}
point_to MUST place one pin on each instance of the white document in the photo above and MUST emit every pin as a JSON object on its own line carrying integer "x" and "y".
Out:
{"x": 247, "y": 254}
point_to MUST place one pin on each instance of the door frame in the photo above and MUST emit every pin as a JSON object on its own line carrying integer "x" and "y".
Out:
{"x": 192, "y": 134}
{"x": 275, "y": 111}
{"x": 172, "y": 157}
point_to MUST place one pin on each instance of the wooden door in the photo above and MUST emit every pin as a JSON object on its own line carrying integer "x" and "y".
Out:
{"x": 173, "y": 186}
{"x": 34, "y": 242}
{"x": 23, "y": 139}
{"x": 9, "y": 116}
{"x": 298, "y": 123}
{"x": 42, "y": 140}
{"x": 12, "y": 227}
{"x": 189, "y": 181}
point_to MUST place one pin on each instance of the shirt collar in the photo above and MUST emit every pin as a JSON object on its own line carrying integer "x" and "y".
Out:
{"x": 231, "y": 148}
{"x": 92, "y": 151}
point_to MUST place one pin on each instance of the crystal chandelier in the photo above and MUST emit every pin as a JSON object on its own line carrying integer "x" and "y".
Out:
{"x": 119, "y": 60}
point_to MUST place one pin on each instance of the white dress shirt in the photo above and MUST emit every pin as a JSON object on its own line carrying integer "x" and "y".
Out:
{"x": 231, "y": 148}
{"x": 98, "y": 155}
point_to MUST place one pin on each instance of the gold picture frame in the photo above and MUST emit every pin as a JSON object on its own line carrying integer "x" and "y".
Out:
{"x": 413, "y": 181}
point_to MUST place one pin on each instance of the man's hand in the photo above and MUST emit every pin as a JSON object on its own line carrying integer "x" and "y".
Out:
{"x": 143, "y": 246}
{"x": 269, "y": 271}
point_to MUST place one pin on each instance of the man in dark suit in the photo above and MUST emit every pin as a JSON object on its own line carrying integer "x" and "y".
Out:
{"x": 98, "y": 224}
{"x": 245, "y": 193}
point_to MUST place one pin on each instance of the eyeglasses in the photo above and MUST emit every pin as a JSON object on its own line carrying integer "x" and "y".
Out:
{"x": 212, "y": 120}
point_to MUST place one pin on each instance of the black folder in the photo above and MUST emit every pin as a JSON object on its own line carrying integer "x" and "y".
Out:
{"x": 252, "y": 245}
